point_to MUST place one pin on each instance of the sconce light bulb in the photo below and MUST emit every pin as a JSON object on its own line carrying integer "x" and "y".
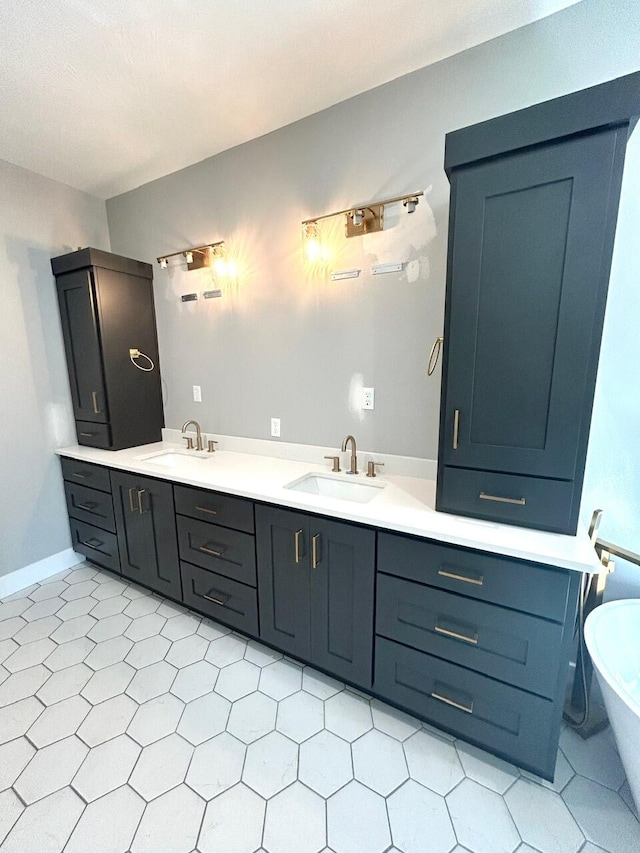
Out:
{"x": 358, "y": 216}
{"x": 164, "y": 263}
{"x": 188, "y": 257}
{"x": 220, "y": 266}
{"x": 411, "y": 203}
{"x": 311, "y": 243}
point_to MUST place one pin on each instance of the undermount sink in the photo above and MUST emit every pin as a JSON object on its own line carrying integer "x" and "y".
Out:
{"x": 173, "y": 458}
{"x": 330, "y": 486}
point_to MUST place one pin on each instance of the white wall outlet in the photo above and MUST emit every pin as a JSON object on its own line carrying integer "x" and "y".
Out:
{"x": 197, "y": 394}
{"x": 368, "y": 398}
{"x": 275, "y": 427}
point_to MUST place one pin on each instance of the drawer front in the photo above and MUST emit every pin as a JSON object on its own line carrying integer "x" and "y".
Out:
{"x": 221, "y": 598}
{"x": 218, "y": 549}
{"x": 508, "y": 498}
{"x": 98, "y": 545}
{"x": 86, "y": 474}
{"x": 216, "y": 508}
{"x": 93, "y": 435}
{"x": 515, "y": 725}
{"x": 90, "y": 505}
{"x": 513, "y": 647}
{"x": 489, "y": 577}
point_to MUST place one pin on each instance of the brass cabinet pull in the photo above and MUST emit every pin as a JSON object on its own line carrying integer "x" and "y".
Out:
{"x": 456, "y": 427}
{"x": 87, "y": 434}
{"x": 445, "y": 574}
{"x": 80, "y": 474}
{"x": 89, "y": 506}
{"x": 140, "y": 494}
{"x": 435, "y": 355}
{"x": 94, "y": 400}
{"x": 206, "y": 509}
{"x": 440, "y": 630}
{"x": 95, "y": 543}
{"x": 297, "y": 541}
{"x": 131, "y": 505}
{"x": 518, "y": 501}
{"x": 220, "y": 601}
{"x": 315, "y": 559}
{"x": 468, "y": 709}
{"x": 211, "y": 551}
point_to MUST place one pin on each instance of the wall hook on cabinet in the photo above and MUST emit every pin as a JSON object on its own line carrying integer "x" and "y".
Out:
{"x": 435, "y": 355}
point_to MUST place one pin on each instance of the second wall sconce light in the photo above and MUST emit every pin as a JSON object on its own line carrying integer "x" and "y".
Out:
{"x": 198, "y": 257}
{"x": 366, "y": 219}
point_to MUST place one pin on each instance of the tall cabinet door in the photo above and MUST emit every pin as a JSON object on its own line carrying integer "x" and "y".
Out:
{"x": 282, "y": 542}
{"x": 147, "y": 540}
{"x": 82, "y": 345}
{"x": 524, "y": 301}
{"x": 342, "y": 593}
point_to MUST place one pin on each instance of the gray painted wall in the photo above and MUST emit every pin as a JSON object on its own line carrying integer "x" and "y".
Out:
{"x": 287, "y": 342}
{"x": 39, "y": 218}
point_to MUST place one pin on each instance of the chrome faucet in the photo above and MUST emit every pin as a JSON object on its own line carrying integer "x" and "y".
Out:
{"x": 354, "y": 458}
{"x": 199, "y": 444}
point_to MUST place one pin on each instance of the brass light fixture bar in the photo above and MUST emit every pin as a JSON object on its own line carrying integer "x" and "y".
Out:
{"x": 197, "y": 257}
{"x": 367, "y": 218}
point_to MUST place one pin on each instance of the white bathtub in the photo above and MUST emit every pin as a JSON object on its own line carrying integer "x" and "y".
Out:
{"x": 612, "y": 634}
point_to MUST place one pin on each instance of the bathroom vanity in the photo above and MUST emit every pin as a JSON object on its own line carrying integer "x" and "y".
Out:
{"x": 464, "y": 623}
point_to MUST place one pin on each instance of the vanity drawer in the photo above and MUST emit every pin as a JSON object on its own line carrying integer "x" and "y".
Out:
{"x": 90, "y": 505}
{"x": 86, "y": 474}
{"x": 500, "y": 580}
{"x": 508, "y": 498}
{"x": 93, "y": 435}
{"x": 513, "y": 647}
{"x": 512, "y": 723}
{"x": 218, "y": 549}
{"x": 221, "y": 598}
{"x": 98, "y": 545}
{"x": 226, "y": 510}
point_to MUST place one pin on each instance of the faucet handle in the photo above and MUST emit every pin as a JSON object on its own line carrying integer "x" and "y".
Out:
{"x": 371, "y": 467}
{"x": 336, "y": 463}
{"x": 189, "y": 441}
{"x": 211, "y": 446}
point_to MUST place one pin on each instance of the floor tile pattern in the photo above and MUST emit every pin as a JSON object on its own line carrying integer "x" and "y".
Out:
{"x": 130, "y": 725}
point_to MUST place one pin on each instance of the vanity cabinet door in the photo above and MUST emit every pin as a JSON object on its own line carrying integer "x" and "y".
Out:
{"x": 342, "y": 589}
{"x": 282, "y": 542}
{"x": 146, "y": 528}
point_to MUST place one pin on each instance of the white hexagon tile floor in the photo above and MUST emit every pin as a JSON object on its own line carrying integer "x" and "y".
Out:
{"x": 130, "y": 725}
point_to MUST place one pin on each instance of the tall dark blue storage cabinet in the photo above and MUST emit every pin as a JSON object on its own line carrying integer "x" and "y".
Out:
{"x": 534, "y": 202}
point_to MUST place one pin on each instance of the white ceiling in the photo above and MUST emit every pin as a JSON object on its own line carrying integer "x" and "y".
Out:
{"x": 105, "y": 95}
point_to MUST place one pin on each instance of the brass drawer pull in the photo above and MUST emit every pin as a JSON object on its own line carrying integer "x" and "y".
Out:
{"x": 80, "y": 474}
{"x": 468, "y": 709}
{"x": 87, "y": 434}
{"x": 221, "y": 601}
{"x": 206, "y": 509}
{"x": 297, "y": 541}
{"x": 518, "y": 501}
{"x": 315, "y": 559}
{"x": 140, "y": 494}
{"x": 456, "y": 427}
{"x": 214, "y": 552}
{"x": 89, "y": 506}
{"x": 95, "y": 543}
{"x": 477, "y": 581}
{"x": 131, "y": 504}
{"x": 94, "y": 400}
{"x": 473, "y": 640}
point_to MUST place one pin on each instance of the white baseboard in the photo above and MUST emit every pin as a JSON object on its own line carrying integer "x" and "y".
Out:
{"x": 37, "y": 572}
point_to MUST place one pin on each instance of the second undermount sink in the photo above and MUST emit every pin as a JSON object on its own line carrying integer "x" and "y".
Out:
{"x": 331, "y": 486}
{"x": 174, "y": 458}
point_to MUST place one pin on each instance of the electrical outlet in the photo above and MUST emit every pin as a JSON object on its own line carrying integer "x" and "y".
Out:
{"x": 368, "y": 398}
{"x": 275, "y": 427}
{"x": 197, "y": 394}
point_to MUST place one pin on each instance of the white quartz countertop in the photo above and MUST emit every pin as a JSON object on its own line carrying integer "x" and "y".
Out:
{"x": 405, "y": 504}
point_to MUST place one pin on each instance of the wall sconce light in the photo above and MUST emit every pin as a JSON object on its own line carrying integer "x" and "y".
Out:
{"x": 196, "y": 257}
{"x": 358, "y": 220}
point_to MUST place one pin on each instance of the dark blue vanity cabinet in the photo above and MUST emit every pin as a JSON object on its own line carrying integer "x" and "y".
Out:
{"x": 534, "y": 200}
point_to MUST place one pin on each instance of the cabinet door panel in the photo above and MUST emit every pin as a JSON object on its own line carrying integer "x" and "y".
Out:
{"x": 145, "y": 521}
{"x": 82, "y": 344}
{"x": 283, "y": 582}
{"x": 342, "y": 584}
{"x": 524, "y": 302}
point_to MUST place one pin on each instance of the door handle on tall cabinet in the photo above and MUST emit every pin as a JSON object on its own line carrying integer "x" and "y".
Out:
{"x": 297, "y": 542}
{"x": 94, "y": 400}
{"x": 456, "y": 426}
{"x": 315, "y": 559}
{"x": 131, "y": 504}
